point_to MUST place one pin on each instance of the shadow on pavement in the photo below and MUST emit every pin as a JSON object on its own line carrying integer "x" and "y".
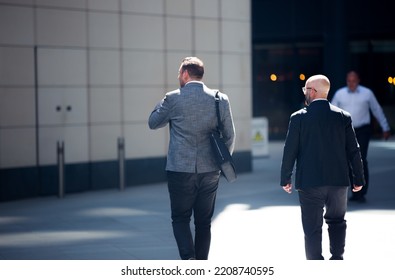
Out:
{"x": 253, "y": 214}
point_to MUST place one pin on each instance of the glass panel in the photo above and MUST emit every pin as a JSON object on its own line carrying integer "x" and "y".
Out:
{"x": 279, "y": 74}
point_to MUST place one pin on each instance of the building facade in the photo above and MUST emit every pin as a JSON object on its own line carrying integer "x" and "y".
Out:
{"x": 79, "y": 78}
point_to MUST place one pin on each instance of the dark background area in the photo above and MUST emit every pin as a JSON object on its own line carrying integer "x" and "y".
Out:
{"x": 291, "y": 38}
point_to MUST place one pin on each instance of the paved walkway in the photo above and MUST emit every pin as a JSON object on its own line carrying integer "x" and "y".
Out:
{"x": 254, "y": 219}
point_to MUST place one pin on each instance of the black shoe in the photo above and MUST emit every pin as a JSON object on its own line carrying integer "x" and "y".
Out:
{"x": 338, "y": 258}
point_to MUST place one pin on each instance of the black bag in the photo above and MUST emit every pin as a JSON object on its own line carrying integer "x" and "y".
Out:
{"x": 220, "y": 150}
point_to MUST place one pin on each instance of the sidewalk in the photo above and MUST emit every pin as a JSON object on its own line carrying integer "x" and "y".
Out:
{"x": 254, "y": 219}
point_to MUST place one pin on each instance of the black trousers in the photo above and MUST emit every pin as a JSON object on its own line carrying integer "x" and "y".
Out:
{"x": 363, "y": 134}
{"x": 312, "y": 203}
{"x": 192, "y": 193}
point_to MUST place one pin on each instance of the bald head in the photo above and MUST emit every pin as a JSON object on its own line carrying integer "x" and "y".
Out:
{"x": 321, "y": 85}
{"x": 317, "y": 86}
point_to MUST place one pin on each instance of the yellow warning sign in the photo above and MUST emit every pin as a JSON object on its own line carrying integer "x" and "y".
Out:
{"x": 258, "y": 137}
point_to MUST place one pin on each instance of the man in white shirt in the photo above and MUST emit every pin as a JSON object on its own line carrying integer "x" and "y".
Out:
{"x": 359, "y": 101}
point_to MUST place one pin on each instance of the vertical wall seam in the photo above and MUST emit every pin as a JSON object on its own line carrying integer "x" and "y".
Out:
{"x": 220, "y": 50}
{"x": 121, "y": 69}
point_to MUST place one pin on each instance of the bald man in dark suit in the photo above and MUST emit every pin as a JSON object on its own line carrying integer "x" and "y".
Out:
{"x": 321, "y": 141}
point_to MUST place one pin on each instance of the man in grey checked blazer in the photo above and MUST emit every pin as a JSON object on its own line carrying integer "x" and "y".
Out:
{"x": 192, "y": 173}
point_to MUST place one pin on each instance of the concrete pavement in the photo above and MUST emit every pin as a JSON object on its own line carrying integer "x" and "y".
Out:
{"x": 254, "y": 219}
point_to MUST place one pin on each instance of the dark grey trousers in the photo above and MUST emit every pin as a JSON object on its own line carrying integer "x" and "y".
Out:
{"x": 313, "y": 201}
{"x": 192, "y": 193}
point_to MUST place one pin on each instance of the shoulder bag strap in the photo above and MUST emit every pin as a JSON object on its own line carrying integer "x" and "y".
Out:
{"x": 220, "y": 125}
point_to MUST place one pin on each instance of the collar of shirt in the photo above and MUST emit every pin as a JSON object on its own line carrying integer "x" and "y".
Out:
{"x": 356, "y": 90}
{"x": 317, "y": 99}
{"x": 199, "y": 82}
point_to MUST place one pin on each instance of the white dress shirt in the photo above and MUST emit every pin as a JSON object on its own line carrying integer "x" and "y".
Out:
{"x": 358, "y": 104}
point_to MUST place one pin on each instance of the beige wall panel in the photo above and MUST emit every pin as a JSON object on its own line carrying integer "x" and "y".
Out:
{"x": 26, "y": 2}
{"x": 104, "y": 5}
{"x": 62, "y": 67}
{"x": 105, "y": 105}
{"x": 179, "y": 7}
{"x": 236, "y": 9}
{"x": 179, "y": 34}
{"x": 61, "y": 28}
{"x": 241, "y": 42}
{"x": 17, "y": 107}
{"x": 241, "y": 101}
{"x": 104, "y": 142}
{"x": 103, "y": 30}
{"x": 142, "y": 32}
{"x": 16, "y": 66}
{"x": 206, "y": 33}
{"x": 146, "y": 6}
{"x": 142, "y": 142}
{"x": 141, "y": 68}
{"x": 206, "y": 8}
{"x": 138, "y": 103}
{"x": 62, "y": 3}
{"x": 243, "y": 134}
{"x": 236, "y": 70}
{"x": 16, "y": 25}
{"x": 104, "y": 68}
{"x": 17, "y": 147}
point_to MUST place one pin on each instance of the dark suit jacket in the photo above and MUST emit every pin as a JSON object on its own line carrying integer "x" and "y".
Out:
{"x": 322, "y": 142}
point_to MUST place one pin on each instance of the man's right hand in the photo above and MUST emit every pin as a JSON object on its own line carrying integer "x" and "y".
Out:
{"x": 356, "y": 188}
{"x": 288, "y": 188}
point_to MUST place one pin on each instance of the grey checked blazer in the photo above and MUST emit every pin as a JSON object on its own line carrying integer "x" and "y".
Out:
{"x": 191, "y": 115}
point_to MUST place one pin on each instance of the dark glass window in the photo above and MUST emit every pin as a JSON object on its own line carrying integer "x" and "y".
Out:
{"x": 279, "y": 73}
